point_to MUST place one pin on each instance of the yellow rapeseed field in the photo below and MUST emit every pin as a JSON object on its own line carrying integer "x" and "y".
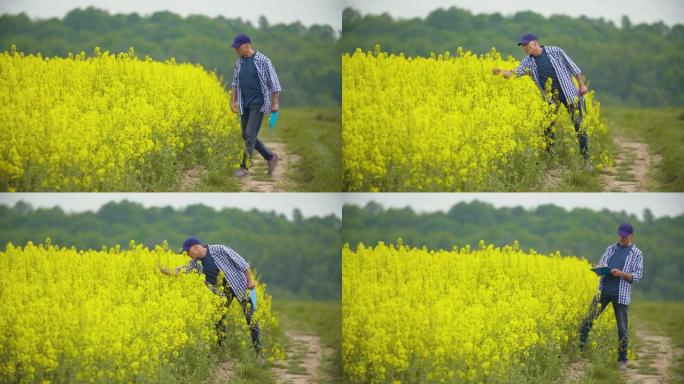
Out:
{"x": 445, "y": 123}
{"x": 110, "y": 316}
{"x": 110, "y": 122}
{"x": 491, "y": 315}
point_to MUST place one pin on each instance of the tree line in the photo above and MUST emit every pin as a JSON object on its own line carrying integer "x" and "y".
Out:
{"x": 630, "y": 64}
{"x": 297, "y": 258}
{"x": 547, "y": 228}
{"x": 307, "y": 59}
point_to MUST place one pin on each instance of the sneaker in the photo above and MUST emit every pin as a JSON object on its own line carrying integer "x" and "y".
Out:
{"x": 242, "y": 172}
{"x": 272, "y": 163}
{"x": 622, "y": 365}
{"x": 588, "y": 166}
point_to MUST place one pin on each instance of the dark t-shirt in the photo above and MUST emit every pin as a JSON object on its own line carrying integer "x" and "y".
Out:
{"x": 545, "y": 70}
{"x": 209, "y": 268}
{"x": 249, "y": 83}
{"x": 611, "y": 286}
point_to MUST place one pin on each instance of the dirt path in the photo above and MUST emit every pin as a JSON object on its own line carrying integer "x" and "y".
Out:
{"x": 574, "y": 372}
{"x": 190, "y": 179}
{"x": 223, "y": 373}
{"x": 655, "y": 356}
{"x": 305, "y": 355}
{"x": 259, "y": 180}
{"x": 552, "y": 179}
{"x": 633, "y": 162}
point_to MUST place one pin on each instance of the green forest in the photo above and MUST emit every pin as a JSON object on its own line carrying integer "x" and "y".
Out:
{"x": 547, "y": 228}
{"x": 298, "y": 258}
{"x": 307, "y": 59}
{"x": 637, "y": 65}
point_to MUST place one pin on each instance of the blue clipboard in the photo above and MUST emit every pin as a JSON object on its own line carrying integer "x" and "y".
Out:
{"x": 253, "y": 298}
{"x": 272, "y": 120}
{"x": 601, "y": 271}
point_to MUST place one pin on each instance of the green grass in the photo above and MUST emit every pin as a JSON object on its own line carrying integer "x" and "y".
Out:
{"x": 314, "y": 136}
{"x": 666, "y": 318}
{"x": 663, "y": 318}
{"x": 322, "y": 318}
{"x": 569, "y": 163}
{"x": 663, "y": 130}
{"x": 217, "y": 182}
{"x": 244, "y": 367}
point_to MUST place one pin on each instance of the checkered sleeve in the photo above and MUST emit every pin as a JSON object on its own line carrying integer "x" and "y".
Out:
{"x": 273, "y": 81}
{"x": 572, "y": 67}
{"x": 236, "y": 259}
{"x": 191, "y": 266}
{"x": 522, "y": 68}
{"x": 606, "y": 255}
{"x": 236, "y": 71}
{"x": 639, "y": 266}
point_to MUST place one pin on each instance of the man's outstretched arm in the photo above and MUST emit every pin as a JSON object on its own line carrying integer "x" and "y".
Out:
{"x": 505, "y": 72}
{"x": 508, "y": 73}
{"x": 170, "y": 272}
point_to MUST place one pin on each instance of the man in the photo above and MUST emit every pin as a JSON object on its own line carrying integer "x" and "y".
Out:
{"x": 626, "y": 266}
{"x": 256, "y": 90}
{"x": 549, "y": 62}
{"x": 212, "y": 259}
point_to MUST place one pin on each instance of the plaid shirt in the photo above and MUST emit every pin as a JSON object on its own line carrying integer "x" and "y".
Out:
{"x": 231, "y": 264}
{"x": 564, "y": 66}
{"x": 267, "y": 78}
{"x": 634, "y": 264}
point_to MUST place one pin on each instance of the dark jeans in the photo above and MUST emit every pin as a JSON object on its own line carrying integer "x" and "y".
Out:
{"x": 251, "y": 123}
{"x": 248, "y": 310}
{"x": 597, "y": 306}
{"x": 576, "y": 112}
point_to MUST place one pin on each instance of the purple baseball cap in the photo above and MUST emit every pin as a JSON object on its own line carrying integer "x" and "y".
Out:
{"x": 527, "y": 38}
{"x": 189, "y": 242}
{"x": 240, "y": 39}
{"x": 625, "y": 230}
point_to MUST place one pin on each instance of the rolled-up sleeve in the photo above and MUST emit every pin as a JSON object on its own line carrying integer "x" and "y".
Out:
{"x": 572, "y": 67}
{"x": 233, "y": 256}
{"x": 233, "y": 84}
{"x": 190, "y": 267}
{"x": 522, "y": 68}
{"x": 273, "y": 81}
{"x": 639, "y": 268}
{"x": 606, "y": 255}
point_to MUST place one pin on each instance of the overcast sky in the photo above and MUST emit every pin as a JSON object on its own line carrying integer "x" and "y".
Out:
{"x": 310, "y": 204}
{"x": 308, "y": 12}
{"x": 661, "y": 204}
{"x": 669, "y": 11}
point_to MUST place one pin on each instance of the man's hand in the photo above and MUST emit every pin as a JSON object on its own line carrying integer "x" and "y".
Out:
{"x": 275, "y": 104}
{"x": 506, "y": 73}
{"x": 582, "y": 89}
{"x": 250, "y": 282}
{"x": 233, "y": 100}
{"x": 168, "y": 272}
{"x": 618, "y": 273}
